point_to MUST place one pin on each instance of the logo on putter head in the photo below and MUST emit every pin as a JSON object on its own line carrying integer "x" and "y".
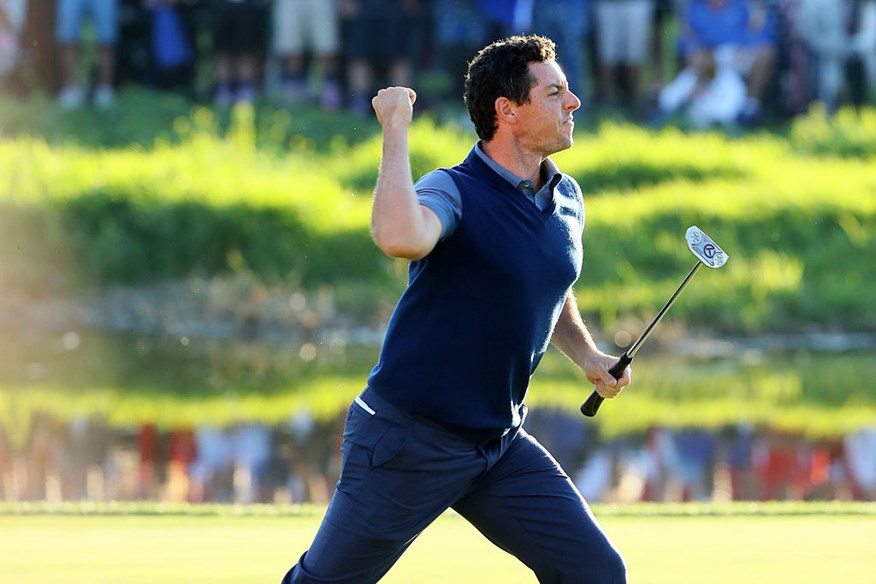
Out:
{"x": 706, "y": 250}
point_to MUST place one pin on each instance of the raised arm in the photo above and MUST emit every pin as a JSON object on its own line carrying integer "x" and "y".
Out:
{"x": 574, "y": 340}
{"x": 400, "y": 226}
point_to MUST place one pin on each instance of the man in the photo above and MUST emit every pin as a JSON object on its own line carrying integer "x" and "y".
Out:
{"x": 378, "y": 43}
{"x": 729, "y": 50}
{"x": 623, "y": 30}
{"x": 495, "y": 244}
{"x": 70, "y": 35}
{"x": 299, "y": 26}
{"x": 840, "y": 37}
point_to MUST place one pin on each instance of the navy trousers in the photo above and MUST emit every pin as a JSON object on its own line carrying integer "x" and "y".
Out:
{"x": 399, "y": 474}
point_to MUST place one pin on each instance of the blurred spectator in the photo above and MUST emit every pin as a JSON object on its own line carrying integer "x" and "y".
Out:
{"x": 378, "y": 46}
{"x": 157, "y": 45}
{"x": 738, "y": 458}
{"x": 505, "y": 17}
{"x": 459, "y": 33}
{"x": 622, "y": 29}
{"x": 7, "y": 493}
{"x": 213, "y": 463}
{"x": 182, "y": 452}
{"x": 251, "y": 448}
{"x": 779, "y": 461}
{"x": 640, "y": 469}
{"x": 860, "y": 454}
{"x": 308, "y": 24}
{"x": 840, "y": 36}
{"x": 148, "y": 469}
{"x": 595, "y": 476}
{"x": 69, "y": 34}
{"x": 239, "y": 31}
{"x": 133, "y": 49}
{"x": 567, "y": 23}
{"x": 729, "y": 51}
{"x": 688, "y": 455}
{"x": 661, "y": 25}
{"x": 11, "y": 24}
{"x": 560, "y": 432}
{"x": 792, "y": 61}
{"x": 38, "y": 68}
{"x": 172, "y": 43}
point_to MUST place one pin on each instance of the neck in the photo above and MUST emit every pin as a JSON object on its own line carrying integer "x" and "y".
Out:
{"x": 523, "y": 163}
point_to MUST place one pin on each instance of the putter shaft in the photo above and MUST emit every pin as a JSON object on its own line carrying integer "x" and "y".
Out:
{"x": 634, "y": 348}
{"x": 709, "y": 254}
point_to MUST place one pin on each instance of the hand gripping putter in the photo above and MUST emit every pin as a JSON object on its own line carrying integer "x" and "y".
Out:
{"x": 707, "y": 253}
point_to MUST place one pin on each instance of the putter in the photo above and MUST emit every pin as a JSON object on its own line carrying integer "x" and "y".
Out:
{"x": 707, "y": 253}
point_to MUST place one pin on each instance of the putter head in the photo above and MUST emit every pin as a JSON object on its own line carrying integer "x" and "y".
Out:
{"x": 706, "y": 250}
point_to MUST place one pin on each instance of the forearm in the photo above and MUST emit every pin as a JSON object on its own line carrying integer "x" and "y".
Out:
{"x": 574, "y": 340}
{"x": 400, "y": 226}
{"x": 571, "y": 335}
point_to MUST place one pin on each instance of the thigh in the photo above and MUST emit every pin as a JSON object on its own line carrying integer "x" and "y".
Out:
{"x": 528, "y": 506}
{"x": 396, "y": 478}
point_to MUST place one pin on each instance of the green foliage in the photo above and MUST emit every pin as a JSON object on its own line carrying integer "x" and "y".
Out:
{"x": 129, "y": 380}
{"x": 850, "y": 133}
{"x": 152, "y": 191}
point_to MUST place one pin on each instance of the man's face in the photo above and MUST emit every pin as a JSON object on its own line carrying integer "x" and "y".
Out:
{"x": 546, "y": 120}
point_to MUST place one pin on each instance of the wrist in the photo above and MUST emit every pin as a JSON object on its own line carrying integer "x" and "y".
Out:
{"x": 396, "y": 127}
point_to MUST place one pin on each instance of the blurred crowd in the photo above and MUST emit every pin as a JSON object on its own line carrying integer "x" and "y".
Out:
{"x": 713, "y": 61}
{"x": 298, "y": 461}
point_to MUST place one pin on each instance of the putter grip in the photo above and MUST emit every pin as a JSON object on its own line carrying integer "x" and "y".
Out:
{"x": 591, "y": 406}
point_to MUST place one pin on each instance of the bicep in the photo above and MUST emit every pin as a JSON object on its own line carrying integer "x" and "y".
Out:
{"x": 432, "y": 228}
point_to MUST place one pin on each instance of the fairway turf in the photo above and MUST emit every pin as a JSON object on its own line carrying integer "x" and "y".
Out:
{"x": 217, "y": 547}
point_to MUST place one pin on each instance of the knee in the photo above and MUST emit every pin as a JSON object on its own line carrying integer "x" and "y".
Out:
{"x": 606, "y": 566}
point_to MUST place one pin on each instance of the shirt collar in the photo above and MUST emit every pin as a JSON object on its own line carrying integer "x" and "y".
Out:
{"x": 550, "y": 169}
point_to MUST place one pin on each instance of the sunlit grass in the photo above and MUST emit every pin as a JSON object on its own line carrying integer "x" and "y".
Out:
{"x": 797, "y": 214}
{"x": 256, "y": 194}
{"x": 661, "y": 544}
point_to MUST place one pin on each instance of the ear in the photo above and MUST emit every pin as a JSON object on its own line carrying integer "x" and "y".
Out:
{"x": 506, "y": 110}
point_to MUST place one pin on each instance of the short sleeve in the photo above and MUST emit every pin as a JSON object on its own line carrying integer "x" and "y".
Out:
{"x": 437, "y": 191}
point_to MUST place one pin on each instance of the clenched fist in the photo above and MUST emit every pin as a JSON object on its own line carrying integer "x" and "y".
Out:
{"x": 394, "y": 105}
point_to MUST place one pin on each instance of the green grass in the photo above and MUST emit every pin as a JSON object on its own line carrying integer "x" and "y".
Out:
{"x": 285, "y": 196}
{"x": 279, "y": 200}
{"x": 146, "y": 543}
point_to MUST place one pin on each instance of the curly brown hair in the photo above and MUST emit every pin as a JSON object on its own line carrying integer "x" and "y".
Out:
{"x": 501, "y": 69}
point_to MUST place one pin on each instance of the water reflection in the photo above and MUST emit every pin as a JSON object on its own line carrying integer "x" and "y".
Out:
{"x": 110, "y": 417}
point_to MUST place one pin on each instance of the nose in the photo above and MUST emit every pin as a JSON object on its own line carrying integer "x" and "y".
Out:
{"x": 573, "y": 102}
